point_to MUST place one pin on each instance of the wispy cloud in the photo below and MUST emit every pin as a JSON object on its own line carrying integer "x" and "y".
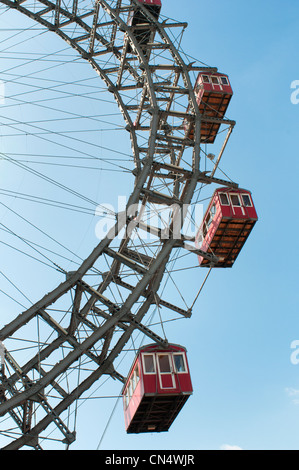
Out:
{"x": 294, "y": 394}
{"x": 230, "y": 447}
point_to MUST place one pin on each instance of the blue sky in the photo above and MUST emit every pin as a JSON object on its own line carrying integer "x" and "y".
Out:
{"x": 246, "y": 389}
{"x": 248, "y": 316}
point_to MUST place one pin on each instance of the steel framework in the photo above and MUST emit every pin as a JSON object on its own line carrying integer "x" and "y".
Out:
{"x": 97, "y": 323}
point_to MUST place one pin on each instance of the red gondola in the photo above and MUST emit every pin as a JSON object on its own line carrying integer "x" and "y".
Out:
{"x": 157, "y": 387}
{"x": 137, "y": 17}
{"x": 213, "y": 94}
{"x": 153, "y": 5}
{"x": 227, "y": 223}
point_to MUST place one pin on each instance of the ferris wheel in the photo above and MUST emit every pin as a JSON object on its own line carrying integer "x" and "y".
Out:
{"x": 174, "y": 112}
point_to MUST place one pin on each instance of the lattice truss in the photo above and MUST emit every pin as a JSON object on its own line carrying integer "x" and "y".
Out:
{"x": 90, "y": 317}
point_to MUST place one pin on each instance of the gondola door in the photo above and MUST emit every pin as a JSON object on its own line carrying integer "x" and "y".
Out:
{"x": 165, "y": 371}
{"x": 216, "y": 84}
{"x": 238, "y": 210}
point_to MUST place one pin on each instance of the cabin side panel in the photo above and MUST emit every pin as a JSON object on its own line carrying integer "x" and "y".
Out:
{"x": 133, "y": 392}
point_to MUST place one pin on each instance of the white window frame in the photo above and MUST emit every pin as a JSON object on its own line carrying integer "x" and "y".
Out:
{"x": 227, "y": 197}
{"x": 127, "y": 397}
{"x": 205, "y": 81}
{"x": 171, "y": 372}
{"x": 238, "y": 196}
{"x": 213, "y": 211}
{"x": 184, "y": 360}
{"x": 154, "y": 361}
{"x": 217, "y": 78}
{"x": 250, "y": 200}
{"x": 168, "y": 355}
{"x": 224, "y": 84}
{"x": 135, "y": 376}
